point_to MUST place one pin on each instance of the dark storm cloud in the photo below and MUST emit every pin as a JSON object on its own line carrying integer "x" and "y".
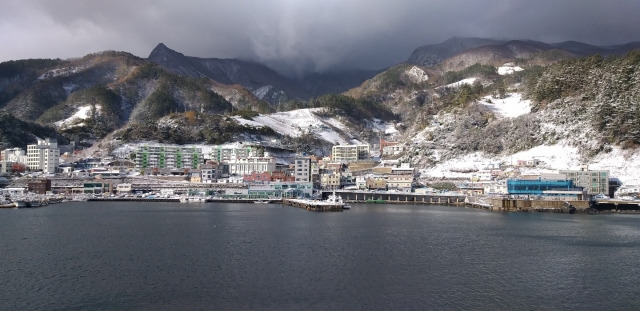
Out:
{"x": 296, "y": 35}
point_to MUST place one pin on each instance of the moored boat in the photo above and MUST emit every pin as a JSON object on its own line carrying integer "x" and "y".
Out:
{"x": 33, "y": 203}
{"x": 192, "y": 200}
{"x": 6, "y": 204}
{"x": 20, "y": 203}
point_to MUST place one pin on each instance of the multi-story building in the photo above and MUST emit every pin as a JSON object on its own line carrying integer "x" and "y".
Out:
{"x": 43, "y": 156}
{"x": 280, "y": 190}
{"x": 39, "y": 186}
{"x": 235, "y": 151}
{"x": 14, "y": 155}
{"x": 376, "y": 183}
{"x": 330, "y": 180}
{"x": 544, "y": 187}
{"x": 207, "y": 173}
{"x": 350, "y": 153}
{"x": 302, "y": 169}
{"x": 241, "y": 167}
{"x": 402, "y": 182}
{"x": 171, "y": 157}
{"x": 594, "y": 182}
{"x": 392, "y": 150}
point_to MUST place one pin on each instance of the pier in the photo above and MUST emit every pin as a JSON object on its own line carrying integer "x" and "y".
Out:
{"x": 206, "y": 200}
{"x": 396, "y": 197}
{"x": 617, "y": 205}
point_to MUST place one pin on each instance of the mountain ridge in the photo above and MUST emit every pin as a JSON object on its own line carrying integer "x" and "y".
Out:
{"x": 265, "y": 83}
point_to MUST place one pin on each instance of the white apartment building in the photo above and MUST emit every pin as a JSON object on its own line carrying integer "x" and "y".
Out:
{"x": 169, "y": 156}
{"x": 234, "y": 151}
{"x": 44, "y": 156}
{"x": 240, "y": 167}
{"x": 392, "y": 150}
{"x": 14, "y": 155}
{"x": 350, "y": 153}
{"x": 594, "y": 182}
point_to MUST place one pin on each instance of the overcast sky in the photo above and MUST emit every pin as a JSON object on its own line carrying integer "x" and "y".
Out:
{"x": 301, "y": 35}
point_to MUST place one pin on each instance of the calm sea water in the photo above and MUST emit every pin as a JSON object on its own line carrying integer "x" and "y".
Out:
{"x": 164, "y": 256}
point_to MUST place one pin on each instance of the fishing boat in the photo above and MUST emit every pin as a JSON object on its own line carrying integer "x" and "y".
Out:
{"x": 6, "y": 204}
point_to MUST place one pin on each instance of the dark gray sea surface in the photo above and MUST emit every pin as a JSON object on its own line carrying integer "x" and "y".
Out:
{"x": 172, "y": 256}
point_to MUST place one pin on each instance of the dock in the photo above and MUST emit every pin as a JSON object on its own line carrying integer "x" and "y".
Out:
{"x": 134, "y": 199}
{"x": 207, "y": 200}
{"x": 397, "y": 197}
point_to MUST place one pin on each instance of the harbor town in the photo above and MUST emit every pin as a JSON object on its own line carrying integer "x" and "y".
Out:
{"x": 48, "y": 173}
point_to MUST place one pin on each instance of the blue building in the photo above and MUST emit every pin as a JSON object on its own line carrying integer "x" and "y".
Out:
{"x": 541, "y": 187}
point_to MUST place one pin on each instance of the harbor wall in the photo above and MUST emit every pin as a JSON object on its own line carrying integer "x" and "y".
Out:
{"x": 512, "y": 205}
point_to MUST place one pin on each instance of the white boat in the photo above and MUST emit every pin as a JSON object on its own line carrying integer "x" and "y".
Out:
{"x": 334, "y": 199}
{"x": 192, "y": 200}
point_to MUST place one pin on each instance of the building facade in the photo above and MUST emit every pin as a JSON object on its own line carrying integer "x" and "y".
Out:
{"x": 538, "y": 186}
{"x": 171, "y": 157}
{"x": 594, "y": 182}
{"x": 43, "y": 156}
{"x": 15, "y": 155}
{"x": 39, "y": 186}
{"x": 350, "y": 153}
{"x": 401, "y": 182}
{"x": 281, "y": 190}
{"x": 330, "y": 180}
{"x": 302, "y": 169}
{"x": 241, "y": 167}
{"x": 235, "y": 151}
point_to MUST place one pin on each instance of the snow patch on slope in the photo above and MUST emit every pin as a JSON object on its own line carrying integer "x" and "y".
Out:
{"x": 297, "y": 122}
{"x": 384, "y": 127}
{"x": 462, "y": 82}
{"x": 60, "y": 72}
{"x": 622, "y": 164}
{"x": 509, "y": 107}
{"x": 508, "y": 69}
{"x": 262, "y": 91}
{"x": 76, "y": 119}
{"x": 417, "y": 75}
